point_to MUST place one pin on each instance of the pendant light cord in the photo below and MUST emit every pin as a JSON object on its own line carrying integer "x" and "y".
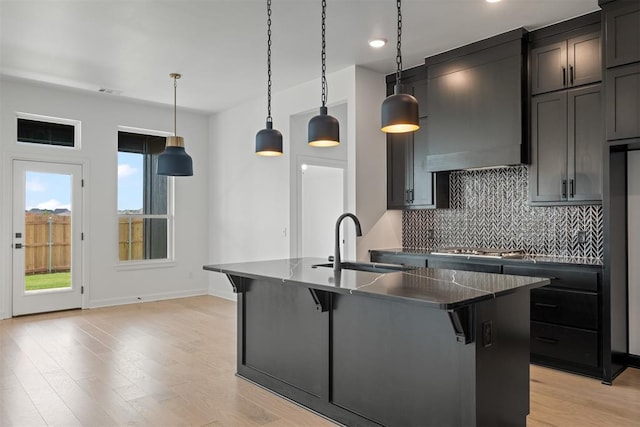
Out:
{"x": 175, "y": 111}
{"x": 324, "y": 54}
{"x": 399, "y": 45}
{"x": 269, "y": 119}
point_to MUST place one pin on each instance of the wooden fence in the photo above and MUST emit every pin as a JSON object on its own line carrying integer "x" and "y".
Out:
{"x": 136, "y": 243}
{"x": 47, "y": 245}
{"x": 48, "y": 242}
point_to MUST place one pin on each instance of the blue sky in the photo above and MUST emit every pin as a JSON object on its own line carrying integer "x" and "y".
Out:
{"x": 53, "y": 191}
{"x": 130, "y": 181}
{"x": 47, "y": 191}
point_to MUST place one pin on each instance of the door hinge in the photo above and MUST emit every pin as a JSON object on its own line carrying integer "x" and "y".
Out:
{"x": 82, "y": 182}
{"x": 82, "y": 290}
{"x": 82, "y": 236}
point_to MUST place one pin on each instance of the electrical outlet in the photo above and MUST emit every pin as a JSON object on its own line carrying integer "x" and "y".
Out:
{"x": 582, "y": 237}
{"x": 430, "y": 234}
{"x": 487, "y": 333}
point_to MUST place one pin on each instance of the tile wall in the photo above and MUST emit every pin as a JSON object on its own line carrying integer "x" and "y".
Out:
{"x": 490, "y": 208}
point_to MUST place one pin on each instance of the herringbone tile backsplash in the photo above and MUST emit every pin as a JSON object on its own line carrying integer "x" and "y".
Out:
{"x": 490, "y": 208}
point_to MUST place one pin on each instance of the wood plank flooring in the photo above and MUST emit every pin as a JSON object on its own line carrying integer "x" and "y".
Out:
{"x": 172, "y": 363}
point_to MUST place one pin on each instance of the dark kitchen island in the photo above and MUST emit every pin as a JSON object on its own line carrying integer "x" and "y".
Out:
{"x": 425, "y": 347}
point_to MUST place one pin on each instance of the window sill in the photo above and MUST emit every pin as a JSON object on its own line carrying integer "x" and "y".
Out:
{"x": 144, "y": 265}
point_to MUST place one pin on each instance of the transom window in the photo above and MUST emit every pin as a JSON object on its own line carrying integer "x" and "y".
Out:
{"x": 51, "y": 131}
{"x": 145, "y": 217}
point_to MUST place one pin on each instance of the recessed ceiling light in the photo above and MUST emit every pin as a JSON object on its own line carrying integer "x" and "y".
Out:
{"x": 377, "y": 42}
{"x": 493, "y": 1}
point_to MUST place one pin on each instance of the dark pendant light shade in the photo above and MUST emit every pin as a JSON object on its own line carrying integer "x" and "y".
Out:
{"x": 400, "y": 113}
{"x": 269, "y": 141}
{"x": 400, "y": 110}
{"x": 324, "y": 130}
{"x": 174, "y": 160}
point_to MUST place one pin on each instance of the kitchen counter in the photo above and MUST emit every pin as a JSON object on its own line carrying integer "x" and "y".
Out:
{"x": 526, "y": 259}
{"x": 443, "y": 289}
{"x": 411, "y": 348}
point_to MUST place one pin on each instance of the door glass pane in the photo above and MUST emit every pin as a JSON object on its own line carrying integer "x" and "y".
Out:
{"x": 47, "y": 247}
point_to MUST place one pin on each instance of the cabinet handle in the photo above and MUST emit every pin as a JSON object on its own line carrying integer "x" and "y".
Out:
{"x": 571, "y": 74}
{"x": 547, "y": 340}
{"x": 564, "y": 76}
{"x": 407, "y": 196}
{"x": 571, "y": 188}
{"x": 545, "y": 305}
{"x": 564, "y": 188}
{"x": 412, "y": 194}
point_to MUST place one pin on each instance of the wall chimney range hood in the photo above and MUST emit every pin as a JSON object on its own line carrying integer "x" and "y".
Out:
{"x": 477, "y": 105}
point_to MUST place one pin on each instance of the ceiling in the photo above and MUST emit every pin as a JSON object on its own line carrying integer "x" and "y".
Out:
{"x": 219, "y": 46}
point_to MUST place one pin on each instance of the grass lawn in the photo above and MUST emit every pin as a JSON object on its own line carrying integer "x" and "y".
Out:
{"x": 36, "y": 282}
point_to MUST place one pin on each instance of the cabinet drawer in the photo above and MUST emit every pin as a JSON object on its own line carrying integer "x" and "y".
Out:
{"x": 565, "y": 307}
{"x": 584, "y": 280}
{"x": 464, "y": 265}
{"x": 409, "y": 260}
{"x": 565, "y": 343}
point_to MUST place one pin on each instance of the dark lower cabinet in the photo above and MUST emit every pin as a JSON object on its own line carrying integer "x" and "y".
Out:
{"x": 566, "y": 325}
{"x": 368, "y": 361}
{"x": 567, "y": 316}
{"x": 564, "y": 347}
{"x": 464, "y": 266}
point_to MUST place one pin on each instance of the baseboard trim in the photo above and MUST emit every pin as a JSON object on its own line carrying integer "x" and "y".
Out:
{"x": 109, "y": 302}
{"x": 633, "y": 360}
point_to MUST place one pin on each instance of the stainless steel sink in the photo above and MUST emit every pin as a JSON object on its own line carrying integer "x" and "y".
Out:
{"x": 365, "y": 266}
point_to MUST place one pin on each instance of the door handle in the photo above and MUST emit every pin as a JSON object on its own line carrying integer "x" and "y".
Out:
{"x": 17, "y": 246}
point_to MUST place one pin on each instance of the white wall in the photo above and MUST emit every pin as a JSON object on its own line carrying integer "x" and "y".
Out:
{"x": 100, "y": 116}
{"x": 250, "y": 196}
{"x": 633, "y": 180}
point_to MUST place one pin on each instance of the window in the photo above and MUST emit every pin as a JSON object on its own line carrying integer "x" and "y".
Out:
{"x": 44, "y": 130}
{"x": 145, "y": 217}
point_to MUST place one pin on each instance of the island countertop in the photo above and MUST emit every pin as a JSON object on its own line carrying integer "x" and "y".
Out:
{"x": 436, "y": 288}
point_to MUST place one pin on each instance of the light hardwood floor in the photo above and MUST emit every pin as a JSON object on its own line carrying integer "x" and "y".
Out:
{"x": 172, "y": 363}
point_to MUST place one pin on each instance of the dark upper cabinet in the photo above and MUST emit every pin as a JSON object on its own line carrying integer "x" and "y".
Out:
{"x": 623, "y": 102}
{"x": 409, "y": 184}
{"x": 477, "y": 105}
{"x": 566, "y": 141}
{"x": 622, "y": 32}
{"x": 622, "y": 47}
{"x": 568, "y": 63}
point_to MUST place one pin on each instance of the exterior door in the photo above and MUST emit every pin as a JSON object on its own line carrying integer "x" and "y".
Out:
{"x": 47, "y": 227}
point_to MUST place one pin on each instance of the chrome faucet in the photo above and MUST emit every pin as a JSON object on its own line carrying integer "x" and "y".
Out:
{"x": 337, "y": 263}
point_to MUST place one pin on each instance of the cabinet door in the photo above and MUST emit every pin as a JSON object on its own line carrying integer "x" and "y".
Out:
{"x": 623, "y": 102}
{"x": 622, "y": 30}
{"x": 548, "y": 169}
{"x": 398, "y": 146}
{"x": 584, "y": 59}
{"x": 586, "y": 138}
{"x": 548, "y": 68}
{"x": 421, "y": 193}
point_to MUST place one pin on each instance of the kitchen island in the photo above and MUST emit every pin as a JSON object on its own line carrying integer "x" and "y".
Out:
{"x": 419, "y": 347}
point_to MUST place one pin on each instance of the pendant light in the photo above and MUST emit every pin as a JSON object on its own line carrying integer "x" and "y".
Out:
{"x": 269, "y": 140}
{"x": 400, "y": 110}
{"x": 174, "y": 161}
{"x": 324, "y": 130}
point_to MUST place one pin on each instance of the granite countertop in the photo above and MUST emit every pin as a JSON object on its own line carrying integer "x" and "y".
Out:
{"x": 436, "y": 288}
{"x": 530, "y": 259}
